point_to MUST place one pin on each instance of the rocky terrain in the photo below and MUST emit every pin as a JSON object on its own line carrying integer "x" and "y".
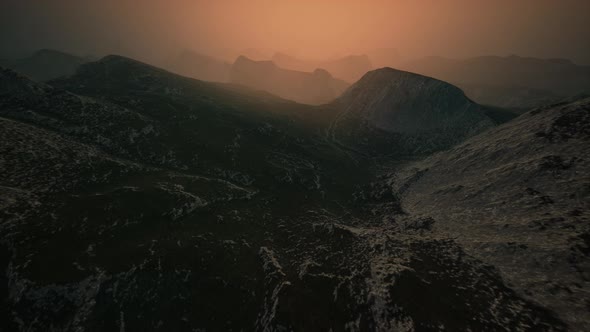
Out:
{"x": 317, "y": 87}
{"x": 423, "y": 112}
{"x": 517, "y": 198}
{"x": 133, "y": 199}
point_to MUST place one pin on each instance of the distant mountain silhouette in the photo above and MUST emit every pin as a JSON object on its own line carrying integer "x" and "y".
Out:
{"x": 349, "y": 68}
{"x": 202, "y": 67}
{"x": 46, "y": 64}
{"x": 317, "y": 87}
{"x": 508, "y": 81}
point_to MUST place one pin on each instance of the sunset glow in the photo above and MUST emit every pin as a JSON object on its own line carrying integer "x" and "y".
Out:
{"x": 309, "y": 28}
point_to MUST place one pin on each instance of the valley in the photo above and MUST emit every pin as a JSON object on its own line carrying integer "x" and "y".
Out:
{"x": 132, "y": 198}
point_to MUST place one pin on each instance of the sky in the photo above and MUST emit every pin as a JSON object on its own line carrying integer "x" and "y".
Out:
{"x": 153, "y": 30}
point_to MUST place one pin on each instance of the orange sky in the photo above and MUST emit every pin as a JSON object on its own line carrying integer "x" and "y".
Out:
{"x": 152, "y": 29}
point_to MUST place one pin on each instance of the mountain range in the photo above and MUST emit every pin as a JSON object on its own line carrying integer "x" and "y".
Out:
{"x": 349, "y": 68}
{"x": 133, "y": 198}
{"x": 317, "y": 87}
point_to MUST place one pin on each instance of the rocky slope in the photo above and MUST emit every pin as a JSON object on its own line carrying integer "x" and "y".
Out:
{"x": 518, "y": 198}
{"x": 317, "y": 87}
{"x": 410, "y": 105}
{"x": 135, "y": 199}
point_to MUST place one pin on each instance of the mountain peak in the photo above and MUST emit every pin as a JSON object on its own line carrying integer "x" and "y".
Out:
{"x": 404, "y": 102}
{"x": 117, "y": 64}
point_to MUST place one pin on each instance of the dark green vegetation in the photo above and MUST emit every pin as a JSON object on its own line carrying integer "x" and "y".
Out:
{"x": 133, "y": 199}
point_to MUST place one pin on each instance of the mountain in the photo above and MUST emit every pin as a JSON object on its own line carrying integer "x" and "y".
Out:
{"x": 413, "y": 105}
{"x": 349, "y": 68}
{"x": 46, "y": 64}
{"x": 517, "y": 198}
{"x": 132, "y": 198}
{"x": 511, "y": 74}
{"x": 317, "y": 87}
{"x": 145, "y": 168}
{"x": 202, "y": 67}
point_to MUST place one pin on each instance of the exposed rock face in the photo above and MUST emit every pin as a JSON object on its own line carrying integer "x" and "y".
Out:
{"x": 318, "y": 87}
{"x": 404, "y": 102}
{"x": 408, "y": 104}
{"x": 518, "y": 198}
{"x": 349, "y": 68}
{"x": 45, "y": 65}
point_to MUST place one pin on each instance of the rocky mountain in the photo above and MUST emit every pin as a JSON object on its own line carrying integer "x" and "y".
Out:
{"x": 202, "y": 67}
{"x": 517, "y": 197}
{"x": 517, "y": 77}
{"x": 221, "y": 165}
{"x": 46, "y": 64}
{"x": 349, "y": 68}
{"x": 398, "y": 102}
{"x": 132, "y": 198}
{"x": 317, "y": 87}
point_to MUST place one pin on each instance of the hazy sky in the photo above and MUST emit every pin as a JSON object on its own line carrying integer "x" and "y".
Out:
{"x": 156, "y": 29}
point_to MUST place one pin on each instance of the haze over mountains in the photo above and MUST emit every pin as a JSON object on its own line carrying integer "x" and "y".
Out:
{"x": 317, "y": 87}
{"x": 349, "y": 68}
{"x": 134, "y": 198}
{"x": 46, "y": 64}
{"x": 200, "y": 66}
{"x": 294, "y": 166}
{"x": 511, "y": 81}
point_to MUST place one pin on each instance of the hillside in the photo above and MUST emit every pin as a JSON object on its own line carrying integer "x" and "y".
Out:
{"x": 131, "y": 197}
{"x": 517, "y": 198}
{"x": 431, "y": 113}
